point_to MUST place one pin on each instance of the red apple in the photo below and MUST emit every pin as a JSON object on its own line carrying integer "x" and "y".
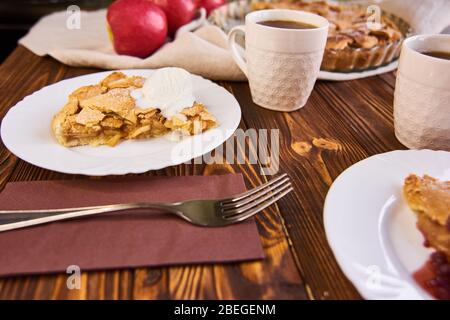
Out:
{"x": 138, "y": 27}
{"x": 210, "y": 5}
{"x": 178, "y": 12}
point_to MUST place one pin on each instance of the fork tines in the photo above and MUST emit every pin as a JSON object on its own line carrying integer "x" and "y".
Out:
{"x": 251, "y": 202}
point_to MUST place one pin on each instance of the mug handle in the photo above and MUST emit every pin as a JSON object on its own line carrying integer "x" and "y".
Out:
{"x": 234, "y": 48}
{"x": 198, "y": 22}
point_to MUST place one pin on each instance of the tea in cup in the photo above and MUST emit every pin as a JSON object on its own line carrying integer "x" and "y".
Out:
{"x": 283, "y": 54}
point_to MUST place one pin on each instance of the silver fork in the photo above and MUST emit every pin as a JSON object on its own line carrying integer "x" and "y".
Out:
{"x": 208, "y": 213}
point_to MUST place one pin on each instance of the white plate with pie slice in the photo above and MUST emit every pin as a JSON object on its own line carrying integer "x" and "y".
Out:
{"x": 26, "y": 132}
{"x": 370, "y": 228}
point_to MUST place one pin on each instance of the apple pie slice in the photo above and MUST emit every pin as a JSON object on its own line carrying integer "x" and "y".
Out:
{"x": 429, "y": 198}
{"x": 108, "y": 112}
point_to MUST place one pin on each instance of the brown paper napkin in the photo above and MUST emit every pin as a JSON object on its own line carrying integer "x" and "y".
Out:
{"x": 121, "y": 240}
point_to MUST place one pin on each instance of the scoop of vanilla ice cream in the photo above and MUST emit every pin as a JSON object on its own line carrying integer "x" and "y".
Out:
{"x": 168, "y": 89}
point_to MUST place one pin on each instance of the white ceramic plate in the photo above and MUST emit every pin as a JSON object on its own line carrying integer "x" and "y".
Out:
{"x": 370, "y": 228}
{"x": 341, "y": 76}
{"x": 26, "y": 132}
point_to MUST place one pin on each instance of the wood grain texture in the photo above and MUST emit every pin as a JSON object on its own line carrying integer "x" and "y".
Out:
{"x": 342, "y": 123}
{"x": 276, "y": 277}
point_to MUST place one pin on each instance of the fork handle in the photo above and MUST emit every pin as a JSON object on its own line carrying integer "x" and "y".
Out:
{"x": 35, "y": 217}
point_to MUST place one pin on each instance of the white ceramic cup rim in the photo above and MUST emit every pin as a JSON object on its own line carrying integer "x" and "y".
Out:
{"x": 273, "y": 13}
{"x": 420, "y": 37}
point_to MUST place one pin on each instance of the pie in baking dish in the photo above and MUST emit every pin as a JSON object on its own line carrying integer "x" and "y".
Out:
{"x": 429, "y": 198}
{"x": 110, "y": 111}
{"x": 352, "y": 44}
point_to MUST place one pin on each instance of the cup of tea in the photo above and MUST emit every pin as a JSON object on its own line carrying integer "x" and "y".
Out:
{"x": 283, "y": 53}
{"x": 422, "y": 93}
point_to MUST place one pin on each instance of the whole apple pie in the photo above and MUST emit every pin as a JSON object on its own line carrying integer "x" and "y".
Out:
{"x": 353, "y": 42}
{"x": 114, "y": 110}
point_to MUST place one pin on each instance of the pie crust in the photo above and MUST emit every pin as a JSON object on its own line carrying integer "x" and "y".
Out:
{"x": 429, "y": 198}
{"x": 106, "y": 113}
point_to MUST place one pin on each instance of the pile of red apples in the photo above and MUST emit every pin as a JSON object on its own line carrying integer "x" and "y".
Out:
{"x": 140, "y": 27}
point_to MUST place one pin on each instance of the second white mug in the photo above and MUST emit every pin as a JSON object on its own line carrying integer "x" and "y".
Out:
{"x": 281, "y": 64}
{"x": 422, "y": 94}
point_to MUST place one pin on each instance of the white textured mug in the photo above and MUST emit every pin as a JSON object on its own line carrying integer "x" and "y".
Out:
{"x": 281, "y": 64}
{"x": 422, "y": 94}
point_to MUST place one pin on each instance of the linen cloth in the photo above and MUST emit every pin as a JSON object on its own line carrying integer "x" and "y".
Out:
{"x": 203, "y": 52}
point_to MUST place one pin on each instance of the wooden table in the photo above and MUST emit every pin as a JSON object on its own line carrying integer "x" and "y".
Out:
{"x": 342, "y": 123}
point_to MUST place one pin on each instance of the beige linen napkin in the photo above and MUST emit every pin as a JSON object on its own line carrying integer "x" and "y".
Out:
{"x": 424, "y": 16}
{"x": 202, "y": 52}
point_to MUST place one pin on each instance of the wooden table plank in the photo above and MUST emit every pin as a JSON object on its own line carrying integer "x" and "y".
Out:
{"x": 276, "y": 277}
{"x": 342, "y": 123}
